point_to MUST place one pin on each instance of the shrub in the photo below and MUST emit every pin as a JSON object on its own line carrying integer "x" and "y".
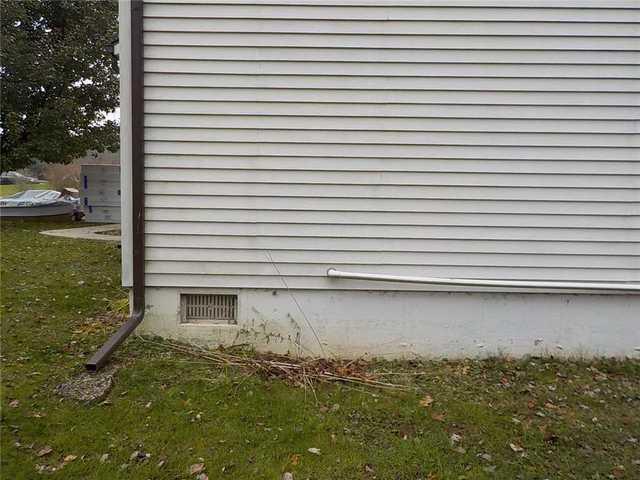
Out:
{"x": 62, "y": 176}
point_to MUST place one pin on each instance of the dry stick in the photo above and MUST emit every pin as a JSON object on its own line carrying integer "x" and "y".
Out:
{"x": 363, "y": 381}
{"x": 308, "y": 380}
{"x": 191, "y": 352}
{"x": 383, "y": 374}
{"x": 350, "y": 387}
{"x": 361, "y": 357}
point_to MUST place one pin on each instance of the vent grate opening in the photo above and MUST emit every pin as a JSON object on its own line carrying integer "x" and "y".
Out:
{"x": 207, "y": 308}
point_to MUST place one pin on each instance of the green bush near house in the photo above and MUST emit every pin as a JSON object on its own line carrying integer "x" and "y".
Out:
{"x": 496, "y": 418}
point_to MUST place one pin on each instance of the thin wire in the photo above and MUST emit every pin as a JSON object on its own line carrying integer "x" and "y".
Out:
{"x": 286, "y": 286}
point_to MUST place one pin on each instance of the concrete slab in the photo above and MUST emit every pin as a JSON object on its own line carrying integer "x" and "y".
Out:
{"x": 87, "y": 233}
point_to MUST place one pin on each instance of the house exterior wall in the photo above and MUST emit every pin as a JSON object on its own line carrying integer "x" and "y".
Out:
{"x": 381, "y": 137}
{"x": 470, "y": 139}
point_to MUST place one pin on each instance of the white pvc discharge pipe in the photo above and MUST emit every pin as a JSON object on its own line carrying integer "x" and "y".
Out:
{"x": 627, "y": 287}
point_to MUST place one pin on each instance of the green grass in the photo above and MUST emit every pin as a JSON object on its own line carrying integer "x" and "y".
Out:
{"x": 6, "y": 190}
{"x": 574, "y": 420}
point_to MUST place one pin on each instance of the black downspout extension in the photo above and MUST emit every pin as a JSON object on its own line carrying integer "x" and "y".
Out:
{"x": 100, "y": 358}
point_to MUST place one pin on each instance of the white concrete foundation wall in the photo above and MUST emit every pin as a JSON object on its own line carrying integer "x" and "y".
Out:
{"x": 406, "y": 324}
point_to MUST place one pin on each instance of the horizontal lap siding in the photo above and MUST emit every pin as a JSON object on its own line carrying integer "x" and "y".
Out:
{"x": 463, "y": 139}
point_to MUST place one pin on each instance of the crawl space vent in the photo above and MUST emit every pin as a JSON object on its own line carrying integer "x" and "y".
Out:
{"x": 198, "y": 308}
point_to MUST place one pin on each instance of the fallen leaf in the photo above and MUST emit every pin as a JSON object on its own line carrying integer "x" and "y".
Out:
{"x": 438, "y": 417}
{"x": 44, "y": 451}
{"x": 14, "y": 403}
{"x": 315, "y": 451}
{"x": 485, "y": 456}
{"x": 70, "y": 458}
{"x": 196, "y": 468}
{"x": 287, "y": 476}
{"x": 202, "y": 476}
{"x": 104, "y": 457}
{"x": 515, "y": 447}
{"x": 426, "y": 401}
{"x": 455, "y": 438}
{"x": 294, "y": 459}
{"x": 618, "y": 471}
{"x": 550, "y": 437}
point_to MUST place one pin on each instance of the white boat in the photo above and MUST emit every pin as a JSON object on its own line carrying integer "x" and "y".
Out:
{"x": 38, "y": 203}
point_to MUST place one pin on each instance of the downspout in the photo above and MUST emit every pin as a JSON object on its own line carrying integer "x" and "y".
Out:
{"x": 470, "y": 282}
{"x": 100, "y": 358}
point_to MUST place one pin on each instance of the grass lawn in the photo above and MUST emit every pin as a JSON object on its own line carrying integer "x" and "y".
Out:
{"x": 496, "y": 418}
{"x": 6, "y": 190}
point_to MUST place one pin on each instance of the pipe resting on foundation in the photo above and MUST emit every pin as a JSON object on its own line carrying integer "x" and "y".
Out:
{"x": 626, "y": 287}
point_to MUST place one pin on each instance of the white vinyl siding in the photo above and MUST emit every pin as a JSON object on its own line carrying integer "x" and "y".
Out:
{"x": 472, "y": 139}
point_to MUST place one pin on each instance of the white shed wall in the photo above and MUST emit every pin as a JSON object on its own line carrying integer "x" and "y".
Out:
{"x": 420, "y": 138}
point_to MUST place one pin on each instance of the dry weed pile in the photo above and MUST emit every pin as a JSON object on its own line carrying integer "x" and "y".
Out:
{"x": 303, "y": 372}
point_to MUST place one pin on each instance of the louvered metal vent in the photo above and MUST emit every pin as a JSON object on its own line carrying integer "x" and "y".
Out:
{"x": 198, "y": 308}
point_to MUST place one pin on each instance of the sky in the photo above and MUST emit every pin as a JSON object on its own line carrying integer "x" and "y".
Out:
{"x": 114, "y": 115}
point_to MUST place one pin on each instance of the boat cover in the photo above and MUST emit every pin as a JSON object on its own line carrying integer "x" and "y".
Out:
{"x": 31, "y": 198}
